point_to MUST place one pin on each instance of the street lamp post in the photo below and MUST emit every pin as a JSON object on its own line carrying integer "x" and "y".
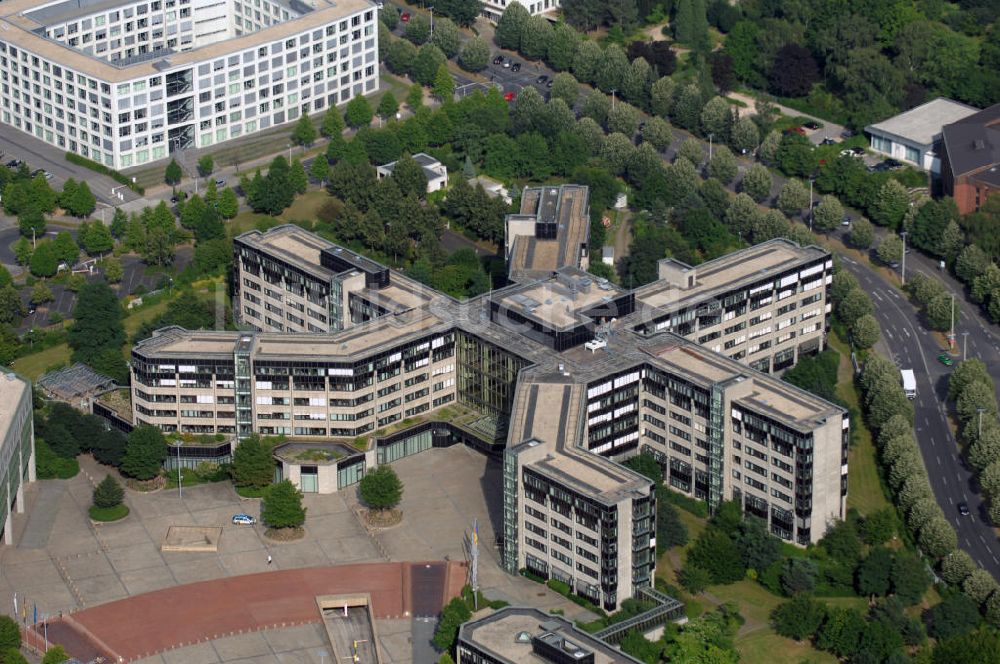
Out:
{"x": 965, "y": 345}
{"x": 431, "y": 36}
{"x": 289, "y": 154}
{"x": 180, "y": 484}
{"x": 613, "y": 91}
{"x": 902, "y": 273}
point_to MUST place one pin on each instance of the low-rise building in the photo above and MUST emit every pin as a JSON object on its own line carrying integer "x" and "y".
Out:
{"x": 435, "y": 172}
{"x": 17, "y": 452}
{"x": 515, "y": 635}
{"x": 914, "y": 136}
{"x": 551, "y": 230}
{"x": 970, "y": 172}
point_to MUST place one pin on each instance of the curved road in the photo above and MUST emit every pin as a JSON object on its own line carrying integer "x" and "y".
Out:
{"x": 911, "y": 346}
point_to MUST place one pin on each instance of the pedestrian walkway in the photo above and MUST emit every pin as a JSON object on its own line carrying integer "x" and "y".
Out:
{"x": 43, "y": 515}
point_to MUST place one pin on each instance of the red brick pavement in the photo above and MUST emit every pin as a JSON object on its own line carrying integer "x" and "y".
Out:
{"x": 174, "y": 617}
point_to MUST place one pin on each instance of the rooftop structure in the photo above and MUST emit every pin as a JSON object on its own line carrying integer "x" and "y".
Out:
{"x": 77, "y": 385}
{"x": 515, "y": 635}
{"x": 551, "y": 231}
{"x": 971, "y": 169}
{"x": 133, "y": 81}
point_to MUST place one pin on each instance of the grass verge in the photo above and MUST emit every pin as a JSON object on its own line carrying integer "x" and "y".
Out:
{"x": 249, "y": 492}
{"x": 34, "y": 365}
{"x": 115, "y": 513}
{"x": 864, "y": 489}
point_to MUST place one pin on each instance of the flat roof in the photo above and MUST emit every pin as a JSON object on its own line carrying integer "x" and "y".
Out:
{"x": 558, "y": 301}
{"x": 498, "y": 634}
{"x": 567, "y": 205}
{"x": 766, "y": 394}
{"x": 17, "y": 28}
{"x": 740, "y": 268}
{"x": 292, "y": 244}
{"x": 12, "y": 389}
{"x": 922, "y": 125}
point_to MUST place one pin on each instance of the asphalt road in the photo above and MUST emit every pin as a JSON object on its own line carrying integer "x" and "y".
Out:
{"x": 913, "y": 347}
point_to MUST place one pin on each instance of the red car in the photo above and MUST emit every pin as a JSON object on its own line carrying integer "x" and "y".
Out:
{"x": 405, "y": 17}
{"x": 509, "y": 96}
{"x": 797, "y": 130}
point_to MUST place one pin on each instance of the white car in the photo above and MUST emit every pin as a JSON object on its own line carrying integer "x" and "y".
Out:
{"x": 243, "y": 520}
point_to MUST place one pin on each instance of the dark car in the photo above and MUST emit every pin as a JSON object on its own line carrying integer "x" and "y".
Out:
{"x": 516, "y": 66}
{"x": 549, "y": 84}
{"x": 38, "y": 171}
{"x": 828, "y": 141}
{"x": 31, "y": 309}
{"x": 542, "y": 79}
{"x": 13, "y": 163}
{"x": 812, "y": 125}
{"x": 497, "y": 60}
{"x": 963, "y": 509}
{"x": 887, "y": 165}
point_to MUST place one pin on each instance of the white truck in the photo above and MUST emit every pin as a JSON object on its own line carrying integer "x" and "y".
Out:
{"x": 909, "y": 383}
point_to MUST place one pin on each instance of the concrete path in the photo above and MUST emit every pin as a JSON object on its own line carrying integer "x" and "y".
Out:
{"x": 43, "y": 515}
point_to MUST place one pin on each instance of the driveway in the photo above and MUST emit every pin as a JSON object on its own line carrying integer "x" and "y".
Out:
{"x": 827, "y": 130}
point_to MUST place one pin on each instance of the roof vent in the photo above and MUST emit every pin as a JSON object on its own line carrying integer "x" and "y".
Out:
{"x": 979, "y": 144}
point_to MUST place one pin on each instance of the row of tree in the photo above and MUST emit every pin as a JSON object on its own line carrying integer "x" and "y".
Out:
{"x": 971, "y": 390}
{"x": 889, "y": 415}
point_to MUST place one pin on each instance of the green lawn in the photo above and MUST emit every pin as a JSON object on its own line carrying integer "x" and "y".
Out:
{"x": 34, "y": 365}
{"x": 132, "y": 322}
{"x": 108, "y": 513}
{"x": 306, "y": 205}
{"x": 864, "y": 489}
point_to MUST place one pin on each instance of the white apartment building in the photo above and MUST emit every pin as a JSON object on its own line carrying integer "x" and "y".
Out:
{"x": 132, "y": 82}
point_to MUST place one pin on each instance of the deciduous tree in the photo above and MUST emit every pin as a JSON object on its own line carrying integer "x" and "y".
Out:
{"x": 282, "y": 506}
{"x": 145, "y": 452}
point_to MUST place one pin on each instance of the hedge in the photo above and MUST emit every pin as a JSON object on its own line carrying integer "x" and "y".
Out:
{"x": 74, "y": 158}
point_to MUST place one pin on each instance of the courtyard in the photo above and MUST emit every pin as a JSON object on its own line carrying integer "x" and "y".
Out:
{"x": 63, "y": 563}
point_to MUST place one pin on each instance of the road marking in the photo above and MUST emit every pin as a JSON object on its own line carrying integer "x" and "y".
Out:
{"x": 927, "y": 422}
{"x": 906, "y": 332}
{"x": 950, "y": 499}
{"x": 877, "y": 296}
{"x": 888, "y": 333}
{"x": 939, "y": 459}
{"x": 981, "y": 539}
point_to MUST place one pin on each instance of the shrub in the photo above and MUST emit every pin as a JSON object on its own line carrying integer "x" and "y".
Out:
{"x": 108, "y": 493}
{"x": 282, "y": 506}
{"x": 52, "y": 466}
{"x": 381, "y": 488}
{"x": 10, "y": 633}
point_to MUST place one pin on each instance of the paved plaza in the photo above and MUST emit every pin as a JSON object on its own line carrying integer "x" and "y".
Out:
{"x": 62, "y": 562}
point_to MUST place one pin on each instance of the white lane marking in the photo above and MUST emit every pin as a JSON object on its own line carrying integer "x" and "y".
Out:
{"x": 888, "y": 333}
{"x": 906, "y": 332}
{"x": 877, "y": 296}
{"x": 939, "y": 459}
{"x": 981, "y": 539}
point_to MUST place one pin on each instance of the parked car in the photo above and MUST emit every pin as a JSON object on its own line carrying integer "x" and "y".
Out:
{"x": 852, "y": 152}
{"x": 945, "y": 359}
{"x": 13, "y": 163}
{"x": 887, "y": 165}
{"x": 541, "y": 79}
{"x": 549, "y": 84}
{"x": 796, "y": 130}
{"x": 846, "y": 221}
{"x": 242, "y": 519}
{"x": 828, "y": 141}
{"x": 509, "y": 96}
{"x": 497, "y": 60}
{"x": 220, "y": 183}
{"x": 405, "y": 17}
{"x": 38, "y": 171}
{"x": 32, "y": 309}
{"x": 812, "y": 125}
{"x": 48, "y": 176}
{"x": 516, "y": 66}
{"x": 506, "y": 64}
